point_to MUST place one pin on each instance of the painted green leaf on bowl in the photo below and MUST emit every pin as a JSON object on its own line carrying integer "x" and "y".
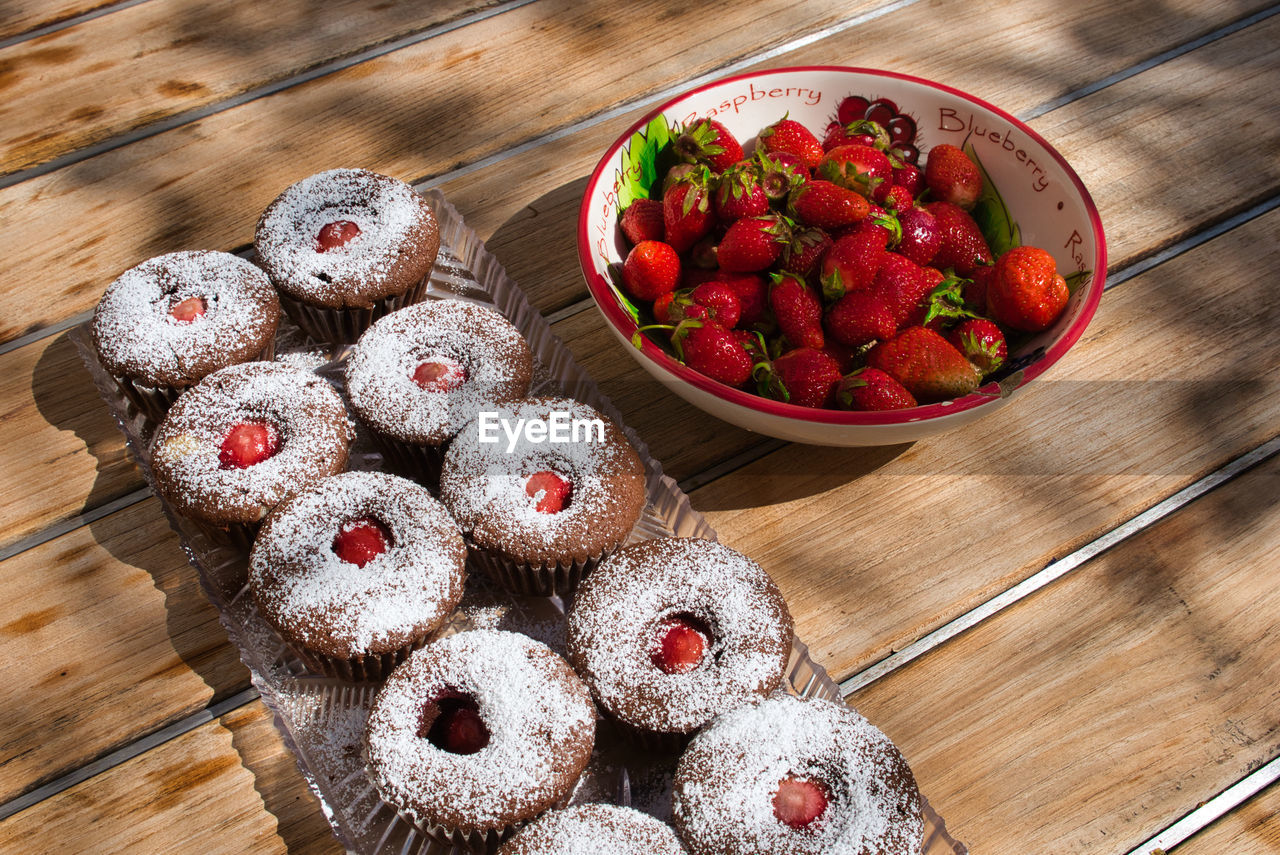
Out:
{"x": 646, "y": 157}
{"x": 992, "y": 214}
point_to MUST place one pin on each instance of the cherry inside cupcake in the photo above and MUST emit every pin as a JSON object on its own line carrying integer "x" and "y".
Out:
{"x": 551, "y": 490}
{"x": 186, "y": 311}
{"x": 452, "y": 723}
{"x": 247, "y": 444}
{"x": 439, "y": 375}
{"x": 800, "y": 802}
{"x": 362, "y": 540}
{"x": 336, "y": 234}
{"x": 680, "y": 644}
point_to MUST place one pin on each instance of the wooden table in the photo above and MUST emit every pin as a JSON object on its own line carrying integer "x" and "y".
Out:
{"x": 1066, "y": 614}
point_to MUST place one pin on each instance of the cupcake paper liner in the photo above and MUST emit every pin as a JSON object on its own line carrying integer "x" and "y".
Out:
{"x": 344, "y": 326}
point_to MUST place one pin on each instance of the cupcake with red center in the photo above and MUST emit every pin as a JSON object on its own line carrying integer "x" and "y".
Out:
{"x": 543, "y": 488}
{"x": 595, "y": 829}
{"x": 356, "y": 571}
{"x": 478, "y": 733}
{"x": 796, "y": 776}
{"x": 170, "y": 321}
{"x": 346, "y": 247}
{"x": 243, "y": 439}
{"x": 421, "y": 373}
{"x": 669, "y": 633}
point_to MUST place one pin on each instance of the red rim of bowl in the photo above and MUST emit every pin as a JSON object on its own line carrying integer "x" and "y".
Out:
{"x": 602, "y": 292}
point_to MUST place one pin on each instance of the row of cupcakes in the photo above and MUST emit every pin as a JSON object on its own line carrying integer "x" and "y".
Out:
{"x": 336, "y": 251}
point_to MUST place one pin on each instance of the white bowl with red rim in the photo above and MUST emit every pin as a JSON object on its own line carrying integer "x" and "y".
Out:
{"x": 1043, "y": 202}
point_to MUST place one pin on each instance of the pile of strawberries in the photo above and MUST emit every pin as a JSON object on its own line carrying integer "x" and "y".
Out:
{"x": 833, "y": 272}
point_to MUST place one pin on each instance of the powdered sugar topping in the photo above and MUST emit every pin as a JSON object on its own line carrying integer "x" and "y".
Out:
{"x": 337, "y": 607}
{"x": 727, "y": 779}
{"x": 595, "y": 829}
{"x": 539, "y": 716}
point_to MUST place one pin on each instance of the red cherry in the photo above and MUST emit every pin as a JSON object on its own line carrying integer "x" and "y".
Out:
{"x": 360, "y": 541}
{"x": 680, "y": 644}
{"x": 554, "y": 488}
{"x": 188, "y": 310}
{"x": 248, "y": 443}
{"x": 800, "y": 802}
{"x": 457, "y": 727}
{"x": 336, "y": 234}
{"x": 439, "y": 375}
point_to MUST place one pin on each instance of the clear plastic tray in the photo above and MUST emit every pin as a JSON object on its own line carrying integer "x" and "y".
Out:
{"x": 322, "y": 719}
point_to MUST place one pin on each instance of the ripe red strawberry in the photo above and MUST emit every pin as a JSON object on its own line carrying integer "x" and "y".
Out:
{"x": 925, "y": 363}
{"x": 457, "y": 726}
{"x": 1025, "y": 291}
{"x": 714, "y": 351}
{"x": 975, "y": 289}
{"x": 247, "y": 444}
{"x": 847, "y": 358}
{"x": 872, "y": 389}
{"x": 859, "y": 132}
{"x": 680, "y": 645}
{"x": 188, "y": 310}
{"x": 860, "y": 168}
{"x": 719, "y": 301}
{"x": 805, "y": 376}
{"x": 780, "y": 173}
{"x": 981, "y": 342}
{"x": 360, "y": 541}
{"x": 904, "y": 287}
{"x": 336, "y": 234}
{"x": 752, "y": 294}
{"x": 859, "y": 318}
{"x": 652, "y": 269}
{"x": 805, "y": 251}
{"x": 880, "y": 224}
{"x": 676, "y": 306}
{"x": 798, "y": 310}
{"x": 800, "y": 802}
{"x": 851, "y": 264}
{"x": 921, "y": 236}
{"x": 898, "y": 198}
{"x": 827, "y": 205}
{"x": 686, "y": 209}
{"x": 788, "y": 135}
{"x": 739, "y": 194}
{"x": 551, "y": 490}
{"x": 439, "y": 375}
{"x": 753, "y": 243}
{"x": 909, "y": 175}
{"x": 962, "y": 246}
{"x": 952, "y": 177}
{"x": 642, "y": 220}
{"x": 708, "y": 142}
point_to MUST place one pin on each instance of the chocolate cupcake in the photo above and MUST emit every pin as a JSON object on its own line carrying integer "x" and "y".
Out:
{"x": 242, "y": 440}
{"x": 542, "y": 488}
{"x": 478, "y": 733}
{"x": 170, "y": 321}
{"x": 344, "y": 248}
{"x": 420, "y": 374}
{"x": 669, "y": 633}
{"x": 796, "y": 776}
{"x": 595, "y": 829}
{"x": 357, "y": 571}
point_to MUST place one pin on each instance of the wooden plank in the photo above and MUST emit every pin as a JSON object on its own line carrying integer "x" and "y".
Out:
{"x": 899, "y": 540}
{"x": 229, "y": 787}
{"x": 107, "y": 636}
{"x": 1252, "y": 827}
{"x": 204, "y": 184}
{"x": 111, "y": 75}
{"x": 1101, "y": 709}
{"x": 535, "y": 240}
{"x": 25, "y": 16}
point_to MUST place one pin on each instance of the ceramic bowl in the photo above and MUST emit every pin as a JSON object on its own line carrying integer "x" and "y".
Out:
{"x": 1035, "y": 198}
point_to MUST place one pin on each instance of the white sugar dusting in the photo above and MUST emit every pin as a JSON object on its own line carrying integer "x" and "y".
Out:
{"x": 305, "y": 411}
{"x": 494, "y": 356}
{"x": 391, "y": 218}
{"x": 136, "y": 335}
{"x": 595, "y": 829}
{"x": 727, "y": 779}
{"x": 614, "y": 621}
{"x": 540, "y": 719}
{"x": 303, "y": 585}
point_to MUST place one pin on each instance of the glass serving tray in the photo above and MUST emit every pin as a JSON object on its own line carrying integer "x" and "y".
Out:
{"x": 322, "y": 719}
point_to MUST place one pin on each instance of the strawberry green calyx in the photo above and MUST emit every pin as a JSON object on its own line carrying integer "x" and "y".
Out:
{"x": 637, "y": 337}
{"x": 768, "y": 383}
{"x": 875, "y": 130}
{"x": 890, "y": 223}
{"x": 946, "y": 300}
{"x": 697, "y": 142}
{"x": 848, "y": 175}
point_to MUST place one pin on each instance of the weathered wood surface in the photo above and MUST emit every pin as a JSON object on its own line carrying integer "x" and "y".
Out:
{"x": 445, "y": 103}
{"x": 1096, "y": 712}
{"x": 1253, "y": 827}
